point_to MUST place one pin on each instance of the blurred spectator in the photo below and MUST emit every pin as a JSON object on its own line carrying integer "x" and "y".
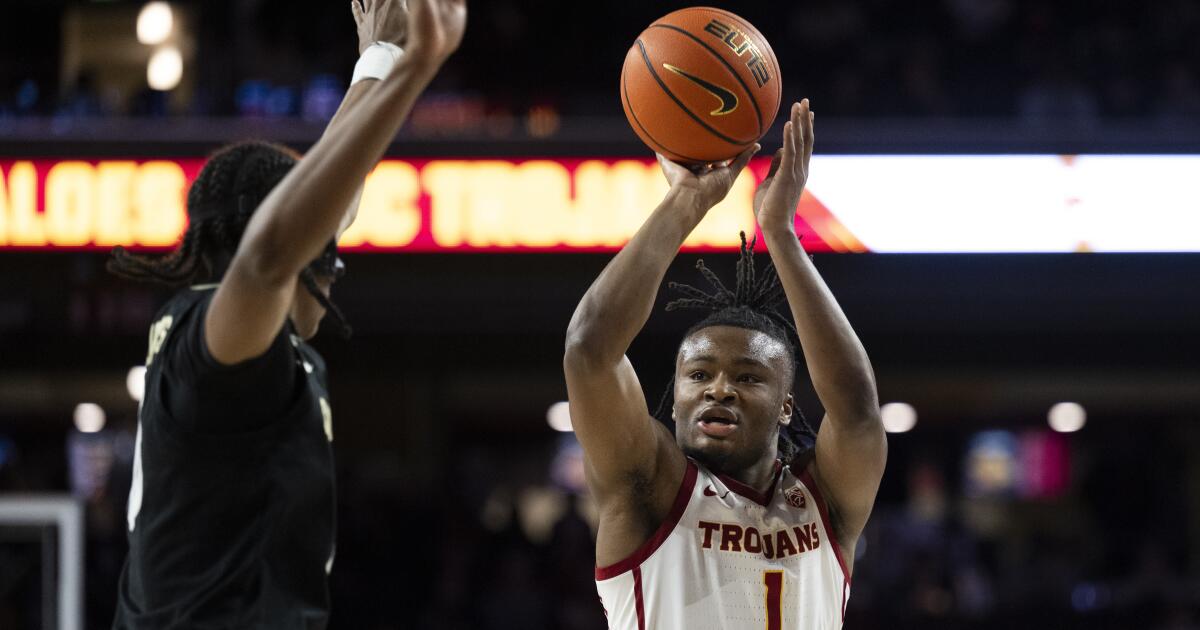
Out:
{"x": 259, "y": 98}
{"x": 83, "y": 99}
{"x": 1057, "y": 96}
{"x": 321, "y": 98}
{"x": 1180, "y": 98}
{"x": 863, "y": 57}
{"x": 979, "y": 19}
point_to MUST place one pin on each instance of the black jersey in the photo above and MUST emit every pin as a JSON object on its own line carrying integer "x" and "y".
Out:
{"x": 231, "y": 509}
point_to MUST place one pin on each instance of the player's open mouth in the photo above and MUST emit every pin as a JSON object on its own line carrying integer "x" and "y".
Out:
{"x": 717, "y": 422}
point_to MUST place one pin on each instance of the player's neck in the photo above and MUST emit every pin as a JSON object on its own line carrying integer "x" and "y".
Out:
{"x": 758, "y": 476}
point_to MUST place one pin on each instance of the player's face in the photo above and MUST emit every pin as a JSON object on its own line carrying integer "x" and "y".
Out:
{"x": 732, "y": 391}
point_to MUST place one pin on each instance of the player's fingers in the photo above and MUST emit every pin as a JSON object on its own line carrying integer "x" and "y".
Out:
{"x": 356, "y": 10}
{"x": 670, "y": 169}
{"x": 806, "y": 123}
{"x": 744, "y": 158}
{"x": 799, "y": 112}
{"x": 775, "y": 160}
{"x": 809, "y": 137}
{"x": 788, "y": 157}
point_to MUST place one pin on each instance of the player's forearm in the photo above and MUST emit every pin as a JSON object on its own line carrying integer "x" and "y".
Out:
{"x": 619, "y": 302}
{"x": 303, "y": 212}
{"x": 354, "y": 95}
{"x": 837, "y": 362}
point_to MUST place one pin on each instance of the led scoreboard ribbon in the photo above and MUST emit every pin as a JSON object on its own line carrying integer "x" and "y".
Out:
{"x": 1038, "y": 203}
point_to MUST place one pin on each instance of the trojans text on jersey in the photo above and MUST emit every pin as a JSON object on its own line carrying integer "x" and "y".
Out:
{"x": 777, "y": 544}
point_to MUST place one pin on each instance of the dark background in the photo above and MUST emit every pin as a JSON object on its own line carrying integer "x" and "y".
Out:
{"x": 440, "y": 399}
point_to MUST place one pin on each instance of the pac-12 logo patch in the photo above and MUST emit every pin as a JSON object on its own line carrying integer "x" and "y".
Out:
{"x": 795, "y": 496}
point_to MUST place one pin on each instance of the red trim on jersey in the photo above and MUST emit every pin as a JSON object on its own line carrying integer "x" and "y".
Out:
{"x": 811, "y": 484}
{"x": 763, "y": 499}
{"x": 660, "y": 535}
{"x": 637, "y": 597}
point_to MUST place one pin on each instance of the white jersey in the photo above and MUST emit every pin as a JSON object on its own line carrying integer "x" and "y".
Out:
{"x": 730, "y": 558}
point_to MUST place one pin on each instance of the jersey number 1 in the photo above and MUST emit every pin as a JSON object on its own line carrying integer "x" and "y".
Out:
{"x": 773, "y": 581}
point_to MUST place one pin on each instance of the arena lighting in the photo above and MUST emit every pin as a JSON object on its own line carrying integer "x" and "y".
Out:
{"x": 1067, "y": 417}
{"x": 559, "y": 417}
{"x": 898, "y": 417}
{"x": 165, "y": 70}
{"x": 135, "y": 382}
{"x": 89, "y": 417}
{"x": 155, "y": 23}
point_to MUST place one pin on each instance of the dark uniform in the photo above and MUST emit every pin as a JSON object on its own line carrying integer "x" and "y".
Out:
{"x": 232, "y": 506}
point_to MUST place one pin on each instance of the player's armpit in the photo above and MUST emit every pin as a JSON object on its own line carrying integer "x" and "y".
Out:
{"x": 615, "y": 428}
{"x": 850, "y": 459}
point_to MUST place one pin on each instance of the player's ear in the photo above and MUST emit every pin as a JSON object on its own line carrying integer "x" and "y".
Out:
{"x": 785, "y": 412}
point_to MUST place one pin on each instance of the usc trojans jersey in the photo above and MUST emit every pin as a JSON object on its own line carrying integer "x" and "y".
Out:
{"x": 730, "y": 558}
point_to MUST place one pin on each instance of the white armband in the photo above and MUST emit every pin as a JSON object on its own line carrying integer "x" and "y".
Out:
{"x": 376, "y": 62}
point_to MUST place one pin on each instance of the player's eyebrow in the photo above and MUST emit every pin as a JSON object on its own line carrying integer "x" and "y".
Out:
{"x": 742, "y": 360}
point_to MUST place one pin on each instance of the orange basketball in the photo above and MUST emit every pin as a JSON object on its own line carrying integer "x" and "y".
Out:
{"x": 700, "y": 85}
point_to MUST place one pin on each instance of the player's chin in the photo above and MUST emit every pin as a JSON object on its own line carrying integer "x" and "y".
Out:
{"x": 712, "y": 452}
{"x": 308, "y": 326}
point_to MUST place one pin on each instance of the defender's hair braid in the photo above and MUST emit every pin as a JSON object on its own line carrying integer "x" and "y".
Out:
{"x": 175, "y": 268}
{"x": 220, "y": 203}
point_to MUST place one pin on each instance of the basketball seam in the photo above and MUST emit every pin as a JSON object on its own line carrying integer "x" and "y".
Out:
{"x": 775, "y": 62}
{"x": 678, "y": 102}
{"x": 753, "y": 101}
{"x": 737, "y": 18}
{"x": 633, "y": 114}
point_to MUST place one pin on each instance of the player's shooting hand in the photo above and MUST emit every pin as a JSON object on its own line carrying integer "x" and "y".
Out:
{"x": 776, "y": 198}
{"x": 435, "y": 28}
{"x": 380, "y": 21}
{"x": 708, "y": 182}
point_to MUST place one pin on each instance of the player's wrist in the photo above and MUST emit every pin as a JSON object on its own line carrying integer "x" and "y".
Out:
{"x": 778, "y": 228}
{"x": 377, "y": 62}
{"x": 688, "y": 198}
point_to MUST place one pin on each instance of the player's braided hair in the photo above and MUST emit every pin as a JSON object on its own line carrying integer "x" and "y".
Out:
{"x": 232, "y": 184}
{"x": 220, "y": 202}
{"x": 752, "y": 304}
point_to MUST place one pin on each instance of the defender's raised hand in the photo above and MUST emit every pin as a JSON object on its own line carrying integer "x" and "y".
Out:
{"x": 380, "y": 21}
{"x": 435, "y": 28}
{"x": 777, "y": 196}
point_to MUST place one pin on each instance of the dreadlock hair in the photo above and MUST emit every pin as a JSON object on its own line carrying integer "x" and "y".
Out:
{"x": 230, "y": 187}
{"x": 752, "y": 304}
{"x": 232, "y": 184}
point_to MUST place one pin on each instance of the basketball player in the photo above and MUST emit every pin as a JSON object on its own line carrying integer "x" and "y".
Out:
{"x": 724, "y": 525}
{"x": 231, "y": 510}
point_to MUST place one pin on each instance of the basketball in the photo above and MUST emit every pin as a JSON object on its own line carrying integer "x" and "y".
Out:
{"x": 700, "y": 85}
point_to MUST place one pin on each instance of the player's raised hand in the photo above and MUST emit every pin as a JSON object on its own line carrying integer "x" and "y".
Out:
{"x": 380, "y": 21}
{"x": 778, "y": 195}
{"x": 710, "y": 182}
{"x": 435, "y": 28}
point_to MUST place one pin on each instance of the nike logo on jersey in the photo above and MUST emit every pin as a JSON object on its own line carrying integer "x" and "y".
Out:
{"x": 778, "y": 544}
{"x": 712, "y": 492}
{"x": 729, "y": 100}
